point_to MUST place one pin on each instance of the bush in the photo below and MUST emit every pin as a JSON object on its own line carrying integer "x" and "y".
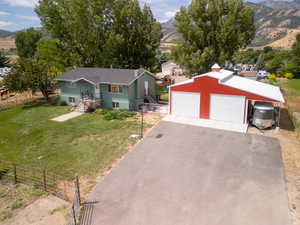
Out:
{"x": 62, "y": 103}
{"x": 289, "y": 75}
{"x": 272, "y": 77}
{"x": 109, "y": 114}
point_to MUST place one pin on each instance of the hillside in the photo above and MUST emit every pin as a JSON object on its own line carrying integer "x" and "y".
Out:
{"x": 277, "y": 24}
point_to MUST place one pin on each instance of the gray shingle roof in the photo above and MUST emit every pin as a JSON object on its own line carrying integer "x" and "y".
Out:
{"x": 100, "y": 75}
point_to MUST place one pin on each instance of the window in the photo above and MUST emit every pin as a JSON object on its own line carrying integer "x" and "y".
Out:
{"x": 71, "y": 85}
{"x": 71, "y": 100}
{"x": 115, "y": 105}
{"x": 114, "y": 88}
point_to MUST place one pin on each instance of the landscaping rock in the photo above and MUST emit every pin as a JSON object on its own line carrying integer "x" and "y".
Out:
{"x": 135, "y": 136}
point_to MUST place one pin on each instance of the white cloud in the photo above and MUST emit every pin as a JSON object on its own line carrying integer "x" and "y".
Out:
{"x": 6, "y": 24}
{"x": 29, "y": 17}
{"x": 170, "y": 14}
{"x": 2, "y": 13}
{"x": 24, "y": 3}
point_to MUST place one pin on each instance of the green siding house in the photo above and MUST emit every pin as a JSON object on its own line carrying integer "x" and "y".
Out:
{"x": 110, "y": 88}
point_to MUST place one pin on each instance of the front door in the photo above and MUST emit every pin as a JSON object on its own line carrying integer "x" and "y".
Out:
{"x": 146, "y": 88}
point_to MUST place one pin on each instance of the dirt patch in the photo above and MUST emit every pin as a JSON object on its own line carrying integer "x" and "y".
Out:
{"x": 294, "y": 103}
{"x": 19, "y": 99}
{"x": 150, "y": 118}
{"x": 290, "y": 147}
{"x": 45, "y": 211}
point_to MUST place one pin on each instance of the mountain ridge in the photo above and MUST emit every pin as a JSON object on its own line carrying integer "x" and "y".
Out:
{"x": 277, "y": 23}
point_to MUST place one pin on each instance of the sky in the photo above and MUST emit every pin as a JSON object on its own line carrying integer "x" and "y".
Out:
{"x": 19, "y": 14}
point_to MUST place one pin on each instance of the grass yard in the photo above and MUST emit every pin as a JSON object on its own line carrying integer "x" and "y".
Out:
{"x": 85, "y": 145}
{"x": 293, "y": 86}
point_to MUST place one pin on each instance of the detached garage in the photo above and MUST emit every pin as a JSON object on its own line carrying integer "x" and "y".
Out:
{"x": 219, "y": 96}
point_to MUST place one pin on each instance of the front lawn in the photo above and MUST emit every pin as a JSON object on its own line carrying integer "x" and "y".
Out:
{"x": 84, "y": 145}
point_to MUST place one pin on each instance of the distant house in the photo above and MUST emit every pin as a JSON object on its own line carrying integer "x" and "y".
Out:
{"x": 4, "y": 71}
{"x": 170, "y": 68}
{"x": 108, "y": 88}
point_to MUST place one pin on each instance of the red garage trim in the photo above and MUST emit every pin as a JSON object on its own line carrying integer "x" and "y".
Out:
{"x": 207, "y": 86}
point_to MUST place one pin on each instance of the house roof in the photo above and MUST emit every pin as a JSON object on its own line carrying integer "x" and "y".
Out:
{"x": 101, "y": 75}
{"x": 227, "y": 78}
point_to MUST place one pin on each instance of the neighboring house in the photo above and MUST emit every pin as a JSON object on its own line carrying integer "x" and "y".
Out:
{"x": 171, "y": 68}
{"x": 109, "y": 88}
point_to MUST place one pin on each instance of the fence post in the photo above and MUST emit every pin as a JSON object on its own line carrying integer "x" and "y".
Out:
{"x": 44, "y": 180}
{"x": 74, "y": 215}
{"x": 78, "y": 189}
{"x": 15, "y": 174}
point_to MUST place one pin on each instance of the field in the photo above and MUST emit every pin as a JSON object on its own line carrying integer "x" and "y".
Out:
{"x": 7, "y": 44}
{"x": 85, "y": 145}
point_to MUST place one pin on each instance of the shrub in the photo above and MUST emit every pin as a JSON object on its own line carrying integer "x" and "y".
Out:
{"x": 289, "y": 75}
{"x": 109, "y": 114}
{"x": 62, "y": 103}
{"x": 17, "y": 204}
{"x": 272, "y": 77}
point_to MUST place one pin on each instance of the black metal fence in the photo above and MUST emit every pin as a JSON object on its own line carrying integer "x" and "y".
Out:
{"x": 40, "y": 178}
{"x": 81, "y": 212}
{"x": 76, "y": 205}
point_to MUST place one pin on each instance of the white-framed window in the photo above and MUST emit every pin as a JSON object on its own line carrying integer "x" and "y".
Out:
{"x": 71, "y": 85}
{"x": 72, "y": 100}
{"x": 114, "y": 88}
{"x": 115, "y": 105}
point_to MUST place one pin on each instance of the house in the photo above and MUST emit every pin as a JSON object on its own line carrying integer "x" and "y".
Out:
{"x": 107, "y": 88}
{"x": 219, "y": 96}
{"x": 4, "y": 71}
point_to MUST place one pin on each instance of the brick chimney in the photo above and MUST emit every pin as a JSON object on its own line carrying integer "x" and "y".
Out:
{"x": 215, "y": 68}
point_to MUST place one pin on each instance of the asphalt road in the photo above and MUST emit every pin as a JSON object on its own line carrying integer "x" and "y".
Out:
{"x": 186, "y": 175}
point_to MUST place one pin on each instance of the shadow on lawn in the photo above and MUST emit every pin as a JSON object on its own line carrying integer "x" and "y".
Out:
{"x": 41, "y": 102}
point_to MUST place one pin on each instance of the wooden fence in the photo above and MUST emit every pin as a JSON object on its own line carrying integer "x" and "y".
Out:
{"x": 49, "y": 182}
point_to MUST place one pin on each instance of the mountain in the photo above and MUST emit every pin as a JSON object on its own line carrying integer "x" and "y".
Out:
{"x": 277, "y": 24}
{"x": 6, "y": 34}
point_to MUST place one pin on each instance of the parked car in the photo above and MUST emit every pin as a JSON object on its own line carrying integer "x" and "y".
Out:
{"x": 262, "y": 74}
{"x": 263, "y": 115}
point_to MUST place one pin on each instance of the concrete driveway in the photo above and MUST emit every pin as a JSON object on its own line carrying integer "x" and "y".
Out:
{"x": 186, "y": 175}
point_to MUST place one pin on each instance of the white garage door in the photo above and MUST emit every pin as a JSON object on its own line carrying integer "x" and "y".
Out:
{"x": 186, "y": 104}
{"x": 228, "y": 108}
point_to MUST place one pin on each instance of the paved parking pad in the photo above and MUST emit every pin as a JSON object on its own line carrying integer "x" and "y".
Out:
{"x": 187, "y": 175}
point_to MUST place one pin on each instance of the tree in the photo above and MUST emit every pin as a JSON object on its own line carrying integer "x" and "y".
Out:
{"x": 277, "y": 61}
{"x": 212, "y": 30}
{"x": 103, "y": 33}
{"x": 4, "y": 61}
{"x": 31, "y": 74}
{"x": 248, "y": 56}
{"x": 26, "y": 42}
{"x": 49, "y": 50}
